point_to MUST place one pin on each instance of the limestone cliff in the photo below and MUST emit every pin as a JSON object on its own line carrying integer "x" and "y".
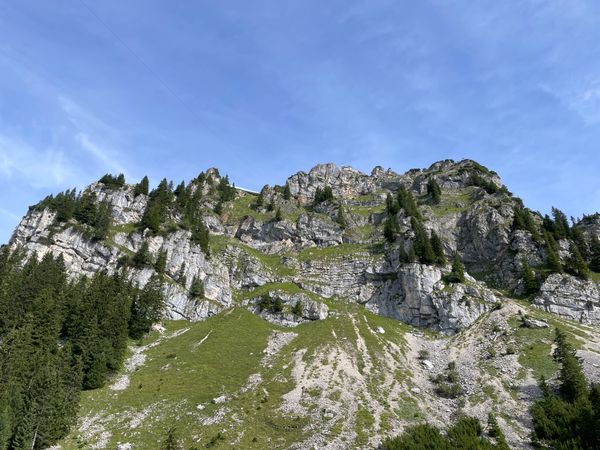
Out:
{"x": 282, "y": 245}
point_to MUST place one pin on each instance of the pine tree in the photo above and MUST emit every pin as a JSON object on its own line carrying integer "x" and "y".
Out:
{"x": 218, "y": 209}
{"x": 142, "y": 187}
{"x": 286, "y": 192}
{"x": 161, "y": 262}
{"x": 102, "y": 221}
{"x": 341, "y": 218}
{"x": 142, "y": 257}
{"x": 561, "y": 224}
{"x": 146, "y": 308}
{"x": 433, "y": 189}
{"x": 552, "y": 258}
{"x": 580, "y": 242}
{"x": 573, "y": 383}
{"x": 595, "y": 254}
{"x": 575, "y": 264}
{"x": 407, "y": 203}
{"x": 457, "y": 275}
{"x": 389, "y": 229}
{"x": 391, "y": 205}
{"x": 438, "y": 248}
{"x": 422, "y": 245}
{"x": 197, "y": 288}
{"x": 278, "y": 215}
{"x": 171, "y": 442}
{"x": 495, "y": 432}
{"x": 277, "y": 305}
{"x": 201, "y": 236}
{"x": 297, "y": 309}
{"x": 529, "y": 280}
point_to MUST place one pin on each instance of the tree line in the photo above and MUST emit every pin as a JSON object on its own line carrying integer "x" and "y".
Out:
{"x": 59, "y": 337}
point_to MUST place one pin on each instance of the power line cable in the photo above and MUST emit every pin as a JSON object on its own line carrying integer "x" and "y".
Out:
{"x": 164, "y": 84}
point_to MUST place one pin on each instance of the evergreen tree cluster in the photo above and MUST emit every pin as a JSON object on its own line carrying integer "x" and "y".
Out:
{"x": 467, "y": 433}
{"x": 272, "y": 305}
{"x": 58, "y": 337}
{"x": 322, "y": 195}
{"x": 82, "y": 207}
{"x": 113, "y": 182}
{"x": 583, "y": 255}
{"x": 477, "y": 180}
{"x": 569, "y": 419}
{"x": 165, "y": 202}
{"x": 522, "y": 220}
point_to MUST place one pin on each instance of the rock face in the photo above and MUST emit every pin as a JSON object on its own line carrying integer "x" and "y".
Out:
{"x": 570, "y": 297}
{"x": 419, "y": 297}
{"x": 298, "y": 251}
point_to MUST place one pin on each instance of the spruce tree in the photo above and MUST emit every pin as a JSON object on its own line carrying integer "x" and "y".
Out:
{"x": 580, "y": 242}
{"x": 142, "y": 187}
{"x": 595, "y": 254}
{"x": 529, "y": 280}
{"x": 278, "y": 215}
{"x": 552, "y": 258}
{"x": 341, "y": 218}
{"x": 457, "y": 275}
{"x": 142, "y": 257}
{"x": 575, "y": 264}
{"x": 433, "y": 189}
{"x": 407, "y": 203}
{"x": 391, "y": 205}
{"x": 161, "y": 262}
{"x": 438, "y": 248}
{"x": 389, "y": 229}
{"x": 561, "y": 226}
{"x": 286, "y": 192}
{"x": 422, "y": 245}
{"x": 297, "y": 309}
{"x": 197, "y": 288}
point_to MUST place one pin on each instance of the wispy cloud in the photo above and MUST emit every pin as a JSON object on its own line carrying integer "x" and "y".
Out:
{"x": 46, "y": 168}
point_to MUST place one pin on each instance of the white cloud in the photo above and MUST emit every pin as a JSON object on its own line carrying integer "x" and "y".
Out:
{"x": 47, "y": 168}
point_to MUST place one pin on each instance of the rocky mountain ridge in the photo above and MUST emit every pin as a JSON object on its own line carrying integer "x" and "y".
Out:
{"x": 284, "y": 247}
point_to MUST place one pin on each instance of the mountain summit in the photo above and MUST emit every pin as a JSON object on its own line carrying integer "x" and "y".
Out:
{"x": 374, "y": 289}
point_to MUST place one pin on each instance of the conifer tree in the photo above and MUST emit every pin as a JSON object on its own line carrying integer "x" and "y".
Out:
{"x": 457, "y": 275}
{"x": 389, "y": 229}
{"x": 433, "y": 189}
{"x": 102, "y": 221}
{"x": 575, "y": 264}
{"x": 197, "y": 288}
{"x": 286, "y": 192}
{"x": 529, "y": 280}
{"x": 391, "y": 205}
{"x": 297, "y": 309}
{"x": 407, "y": 203}
{"x": 561, "y": 226}
{"x": 580, "y": 242}
{"x": 161, "y": 262}
{"x": 341, "y": 218}
{"x": 422, "y": 245}
{"x": 438, "y": 248}
{"x": 142, "y": 187}
{"x": 552, "y": 258}
{"x": 142, "y": 257}
{"x": 278, "y": 215}
{"x": 595, "y": 254}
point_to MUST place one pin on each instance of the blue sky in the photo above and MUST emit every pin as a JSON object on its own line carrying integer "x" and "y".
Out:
{"x": 263, "y": 89}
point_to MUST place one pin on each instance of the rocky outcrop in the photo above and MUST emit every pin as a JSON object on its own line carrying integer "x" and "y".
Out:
{"x": 308, "y": 247}
{"x": 419, "y": 297}
{"x": 307, "y": 308}
{"x": 570, "y": 297}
